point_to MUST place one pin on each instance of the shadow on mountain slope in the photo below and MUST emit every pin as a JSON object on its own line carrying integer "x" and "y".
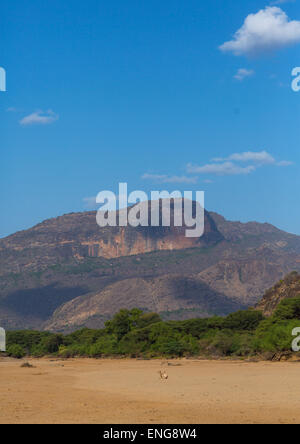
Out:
{"x": 41, "y": 302}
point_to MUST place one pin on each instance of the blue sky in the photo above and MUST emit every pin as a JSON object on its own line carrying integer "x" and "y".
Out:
{"x": 161, "y": 95}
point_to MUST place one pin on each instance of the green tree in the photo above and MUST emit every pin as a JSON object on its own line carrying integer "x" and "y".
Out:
{"x": 127, "y": 320}
{"x": 243, "y": 320}
{"x": 274, "y": 335}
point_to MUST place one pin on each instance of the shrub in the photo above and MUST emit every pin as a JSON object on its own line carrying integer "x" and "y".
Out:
{"x": 16, "y": 351}
{"x": 223, "y": 343}
{"x": 123, "y": 322}
{"x": 27, "y": 339}
{"x": 288, "y": 309}
{"x": 105, "y": 346}
{"x": 243, "y": 320}
{"x": 197, "y": 327}
{"x": 274, "y": 335}
{"x": 65, "y": 352}
{"x": 51, "y": 343}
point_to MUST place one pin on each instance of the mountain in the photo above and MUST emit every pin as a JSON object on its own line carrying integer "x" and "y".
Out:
{"x": 67, "y": 272}
{"x": 75, "y": 237}
{"x": 286, "y": 288}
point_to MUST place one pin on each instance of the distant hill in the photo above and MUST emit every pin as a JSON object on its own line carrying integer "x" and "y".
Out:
{"x": 67, "y": 272}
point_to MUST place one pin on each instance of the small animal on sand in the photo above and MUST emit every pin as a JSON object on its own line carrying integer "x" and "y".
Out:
{"x": 163, "y": 374}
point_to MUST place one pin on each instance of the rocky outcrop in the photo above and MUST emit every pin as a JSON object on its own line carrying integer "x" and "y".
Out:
{"x": 77, "y": 236}
{"x": 289, "y": 287}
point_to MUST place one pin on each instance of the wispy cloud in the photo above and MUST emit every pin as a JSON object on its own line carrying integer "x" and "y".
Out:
{"x": 269, "y": 29}
{"x": 220, "y": 169}
{"x": 12, "y": 109}
{"x": 281, "y": 2}
{"x": 163, "y": 178}
{"x": 260, "y": 157}
{"x": 284, "y": 163}
{"x": 243, "y": 73}
{"x": 231, "y": 165}
{"x": 39, "y": 118}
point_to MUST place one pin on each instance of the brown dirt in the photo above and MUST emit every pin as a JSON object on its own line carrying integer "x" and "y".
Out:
{"x": 131, "y": 391}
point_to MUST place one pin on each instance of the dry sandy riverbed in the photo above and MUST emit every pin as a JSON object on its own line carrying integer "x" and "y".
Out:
{"x": 130, "y": 391}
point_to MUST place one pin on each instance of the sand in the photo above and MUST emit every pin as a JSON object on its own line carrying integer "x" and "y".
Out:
{"x": 131, "y": 391}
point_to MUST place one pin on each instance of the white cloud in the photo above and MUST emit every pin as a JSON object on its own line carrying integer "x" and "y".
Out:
{"x": 260, "y": 157}
{"x": 230, "y": 166}
{"x": 11, "y": 109}
{"x": 267, "y": 30}
{"x": 39, "y": 118}
{"x": 220, "y": 169}
{"x": 284, "y": 163}
{"x": 163, "y": 178}
{"x": 243, "y": 73}
{"x": 235, "y": 164}
{"x": 281, "y": 2}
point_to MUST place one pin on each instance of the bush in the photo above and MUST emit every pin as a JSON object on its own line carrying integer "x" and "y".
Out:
{"x": 123, "y": 322}
{"x": 16, "y": 351}
{"x": 65, "y": 352}
{"x": 27, "y": 339}
{"x": 243, "y": 320}
{"x": 135, "y": 343}
{"x": 197, "y": 327}
{"x": 106, "y": 346}
{"x": 227, "y": 343}
{"x": 84, "y": 336}
{"x": 224, "y": 343}
{"x": 274, "y": 335}
{"x": 288, "y": 309}
{"x": 52, "y": 343}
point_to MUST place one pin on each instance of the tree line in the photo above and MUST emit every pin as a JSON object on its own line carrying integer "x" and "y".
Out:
{"x": 134, "y": 333}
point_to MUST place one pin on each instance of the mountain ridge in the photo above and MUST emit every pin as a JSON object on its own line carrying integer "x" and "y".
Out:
{"x": 67, "y": 271}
